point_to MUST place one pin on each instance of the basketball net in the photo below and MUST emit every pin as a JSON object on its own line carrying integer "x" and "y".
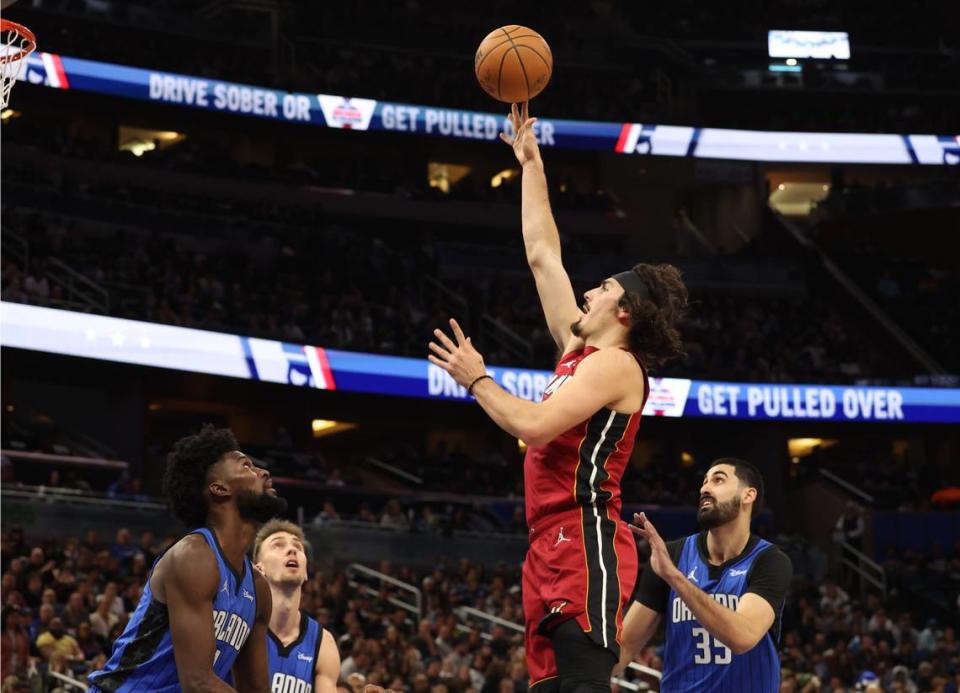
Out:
{"x": 16, "y": 43}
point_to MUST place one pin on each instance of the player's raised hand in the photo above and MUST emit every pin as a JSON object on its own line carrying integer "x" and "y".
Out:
{"x": 524, "y": 142}
{"x": 660, "y": 559}
{"x": 459, "y": 358}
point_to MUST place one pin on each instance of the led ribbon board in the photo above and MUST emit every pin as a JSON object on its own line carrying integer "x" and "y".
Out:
{"x": 200, "y": 351}
{"x": 325, "y": 110}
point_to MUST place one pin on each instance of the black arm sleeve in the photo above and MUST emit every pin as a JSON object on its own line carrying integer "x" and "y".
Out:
{"x": 652, "y": 591}
{"x": 770, "y": 577}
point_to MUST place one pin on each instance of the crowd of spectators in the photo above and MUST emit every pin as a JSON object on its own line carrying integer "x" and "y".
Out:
{"x": 854, "y": 198}
{"x": 861, "y": 225}
{"x": 300, "y": 161}
{"x": 443, "y": 515}
{"x": 367, "y": 299}
{"x": 284, "y": 270}
{"x": 369, "y": 295}
{"x": 66, "y": 601}
{"x": 922, "y": 296}
{"x": 893, "y": 480}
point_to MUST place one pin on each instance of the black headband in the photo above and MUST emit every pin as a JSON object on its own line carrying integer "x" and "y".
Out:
{"x": 631, "y": 281}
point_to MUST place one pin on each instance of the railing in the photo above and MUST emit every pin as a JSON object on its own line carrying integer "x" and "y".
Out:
{"x": 17, "y": 247}
{"x": 862, "y": 298}
{"x": 131, "y": 298}
{"x": 623, "y": 683}
{"x": 868, "y": 570}
{"x": 494, "y": 330}
{"x": 396, "y": 471}
{"x": 65, "y": 459}
{"x": 686, "y": 223}
{"x": 452, "y": 301}
{"x": 77, "y": 287}
{"x": 68, "y": 681}
{"x": 465, "y": 613}
{"x": 416, "y": 608}
{"x": 634, "y": 686}
{"x": 52, "y": 494}
{"x": 847, "y": 486}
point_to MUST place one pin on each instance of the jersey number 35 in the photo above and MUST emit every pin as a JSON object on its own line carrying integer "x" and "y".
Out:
{"x": 717, "y": 654}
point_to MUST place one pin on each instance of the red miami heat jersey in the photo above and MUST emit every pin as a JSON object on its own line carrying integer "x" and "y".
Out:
{"x": 582, "y": 466}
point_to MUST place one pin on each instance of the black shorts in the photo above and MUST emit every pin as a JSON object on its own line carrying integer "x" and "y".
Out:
{"x": 583, "y": 666}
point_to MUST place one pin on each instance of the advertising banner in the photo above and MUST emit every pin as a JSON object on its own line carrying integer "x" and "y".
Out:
{"x": 351, "y": 113}
{"x": 200, "y": 351}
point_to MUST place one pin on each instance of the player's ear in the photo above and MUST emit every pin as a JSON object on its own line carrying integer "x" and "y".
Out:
{"x": 259, "y": 568}
{"x": 749, "y": 494}
{"x": 218, "y": 489}
{"x": 622, "y": 315}
{"x": 216, "y": 486}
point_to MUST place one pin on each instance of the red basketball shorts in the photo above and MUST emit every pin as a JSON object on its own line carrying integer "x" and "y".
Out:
{"x": 579, "y": 566}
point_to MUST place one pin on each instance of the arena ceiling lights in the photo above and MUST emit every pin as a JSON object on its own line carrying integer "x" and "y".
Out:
{"x": 322, "y": 428}
{"x": 138, "y": 141}
{"x": 798, "y": 198}
{"x": 444, "y": 176}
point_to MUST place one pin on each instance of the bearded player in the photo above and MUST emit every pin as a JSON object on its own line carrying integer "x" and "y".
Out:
{"x": 303, "y": 657}
{"x": 721, "y": 592}
{"x": 204, "y": 610}
{"x": 582, "y": 562}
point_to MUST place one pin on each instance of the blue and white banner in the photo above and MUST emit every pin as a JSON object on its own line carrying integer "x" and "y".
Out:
{"x": 823, "y": 402}
{"x": 326, "y": 110}
{"x": 265, "y": 360}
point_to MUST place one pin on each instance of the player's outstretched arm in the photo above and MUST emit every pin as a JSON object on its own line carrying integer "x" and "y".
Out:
{"x": 327, "y": 668}
{"x": 189, "y": 585}
{"x": 639, "y": 625}
{"x": 251, "y": 669}
{"x": 540, "y": 236}
{"x": 600, "y": 382}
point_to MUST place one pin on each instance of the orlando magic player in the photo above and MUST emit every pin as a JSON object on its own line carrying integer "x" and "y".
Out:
{"x": 721, "y": 592}
{"x": 303, "y": 657}
{"x": 204, "y": 609}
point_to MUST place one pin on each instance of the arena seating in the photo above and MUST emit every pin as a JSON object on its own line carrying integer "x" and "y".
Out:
{"x": 829, "y": 632}
{"x": 337, "y": 50}
{"x": 346, "y": 284}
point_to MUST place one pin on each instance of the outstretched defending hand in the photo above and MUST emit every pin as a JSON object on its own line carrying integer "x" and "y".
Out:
{"x": 460, "y": 360}
{"x": 660, "y": 559}
{"x": 524, "y": 142}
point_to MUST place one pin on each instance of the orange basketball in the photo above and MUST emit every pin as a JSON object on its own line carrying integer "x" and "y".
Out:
{"x": 513, "y": 63}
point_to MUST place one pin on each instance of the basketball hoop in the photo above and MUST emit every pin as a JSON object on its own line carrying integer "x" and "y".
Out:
{"x": 16, "y": 43}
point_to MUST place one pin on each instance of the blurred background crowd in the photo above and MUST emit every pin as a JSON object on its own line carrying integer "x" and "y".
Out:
{"x": 799, "y": 273}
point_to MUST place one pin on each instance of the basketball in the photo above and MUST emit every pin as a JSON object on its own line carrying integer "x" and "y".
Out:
{"x": 513, "y": 63}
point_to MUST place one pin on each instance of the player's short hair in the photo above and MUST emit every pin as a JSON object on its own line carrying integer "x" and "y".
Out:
{"x": 749, "y": 476}
{"x": 275, "y": 526}
{"x": 188, "y": 463}
{"x": 653, "y": 334}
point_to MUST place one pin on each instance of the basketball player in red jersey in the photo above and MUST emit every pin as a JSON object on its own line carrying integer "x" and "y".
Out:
{"x": 582, "y": 563}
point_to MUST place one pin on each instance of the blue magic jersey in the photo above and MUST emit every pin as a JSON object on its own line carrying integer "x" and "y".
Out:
{"x": 142, "y": 658}
{"x": 292, "y": 666}
{"x": 696, "y": 661}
